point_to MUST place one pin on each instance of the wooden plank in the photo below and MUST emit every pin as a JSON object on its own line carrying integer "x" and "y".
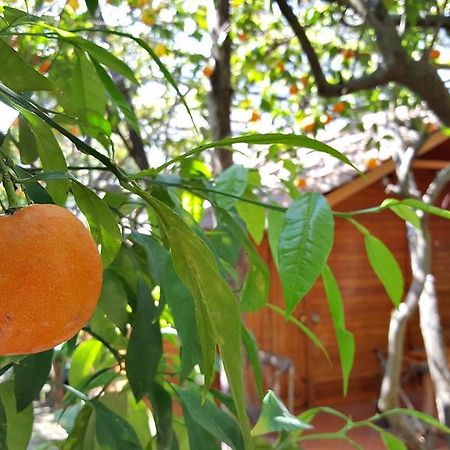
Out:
{"x": 430, "y": 164}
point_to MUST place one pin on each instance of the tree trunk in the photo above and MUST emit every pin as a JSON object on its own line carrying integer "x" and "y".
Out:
{"x": 221, "y": 92}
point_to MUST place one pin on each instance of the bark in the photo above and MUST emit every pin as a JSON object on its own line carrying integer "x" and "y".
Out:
{"x": 220, "y": 96}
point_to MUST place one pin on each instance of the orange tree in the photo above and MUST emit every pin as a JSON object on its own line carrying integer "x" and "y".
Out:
{"x": 165, "y": 279}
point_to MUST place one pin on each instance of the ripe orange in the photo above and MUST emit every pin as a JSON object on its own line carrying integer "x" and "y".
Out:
{"x": 326, "y": 118}
{"x": 372, "y": 163}
{"x": 50, "y": 278}
{"x": 45, "y": 66}
{"x": 304, "y": 80}
{"x": 208, "y": 71}
{"x": 348, "y": 54}
{"x": 301, "y": 183}
{"x": 255, "y": 116}
{"x": 293, "y": 89}
{"x": 148, "y": 17}
{"x": 160, "y": 50}
{"x": 434, "y": 54}
{"x": 339, "y": 107}
{"x": 280, "y": 66}
{"x": 242, "y": 37}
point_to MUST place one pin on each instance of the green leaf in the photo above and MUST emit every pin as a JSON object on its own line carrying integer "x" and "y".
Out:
{"x": 116, "y": 96}
{"x": 305, "y": 243}
{"x": 253, "y": 216}
{"x": 211, "y": 418}
{"x": 16, "y": 17}
{"x": 407, "y": 214}
{"x": 112, "y": 431}
{"x": 104, "y": 57}
{"x": 145, "y": 344}
{"x": 92, "y": 6}
{"x": 113, "y": 299}
{"x": 418, "y": 415}
{"x": 77, "y": 437}
{"x": 386, "y": 267}
{"x": 217, "y": 310}
{"x": 83, "y": 360}
{"x": 345, "y": 339}
{"x": 231, "y": 181}
{"x": 198, "y": 437}
{"x": 27, "y": 143}
{"x": 16, "y": 74}
{"x": 162, "y": 403}
{"x": 3, "y": 428}
{"x": 19, "y": 424}
{"x": 30, "y": 375}
{"x": 51, "y": 156}
{"x": 292, "y": 140}
{"x": 101, "y": 220}
{"x": 34, "y": 190}
{"x": 275, "y": 227}
{"x": 182, "y": 306}
{"x": 251, "y": 348}
{"x": 275, "y": 417}
{"x": 391, "y": 441}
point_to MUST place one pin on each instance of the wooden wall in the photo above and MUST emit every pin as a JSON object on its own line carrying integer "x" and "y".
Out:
{"x": 366, "y": 304}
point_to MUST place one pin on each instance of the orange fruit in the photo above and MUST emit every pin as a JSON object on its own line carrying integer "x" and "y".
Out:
{"x": 372, "y": 163}
{"x": 304, "y": 80}
{"x": 255, "y": 116}
{"x": 326, "y": 118}
{"x": 208, "y": 71}
{"x": 308, "y": 124}
{"x": 348, "y": 54}
{"x": 339, "y": 107}
{"x": 280, "y": 66}
{"x": 45, "y": 66}
{"x": 293, "y": 89}
{"x": 73, "y": 4}
{"x": 50, "y": 278}
{"x": 242, "y": 37}
{"x": 148, "y": 17}
{"x": 301, "y": 183}
{"x": 160, "y": 50}
{"x": 434, "y": 54}
{"x": 74, "y": 130}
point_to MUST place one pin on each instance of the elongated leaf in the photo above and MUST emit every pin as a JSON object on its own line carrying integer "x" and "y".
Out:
{"x": 145, "y": 345}
{"x": 251, "y": 348}
{"x": 3, "y": 427}
{"x": 77, "y": 437}
{"x": 418, "y": 415}
{"x": 211, "y": 418}
{"x": 305, "y": 243}
{"x": 275, "y": 417}
{"x": 102, "y": 223}
{"x": 345, "y": 339}
{"x": 18, "y": 424}
{"x": 198, "y": 436}
{"x": 27, "y": 143}
{"x": 30, "y": 375}
{"x": 216, "y": 306}
{"x": 391, "y": 441}
{"x": 256, "y": 287}
{"x": 16, "y": 74}
{"x": 113, "y": 299}
{"x": 104, "y": 57}
{"x": 112, "y": 431}
{"x": 34, "y": 190}
{"x": 83, "y": 360}
{"x": 386, "y": 267}
{"x": 407, "y": 214}
{"x": 293, "y": 140}
{"x": 162, "y": 403}
{"x": 231, "y": 181}
{"x": 116, "y": 96}
{"x": 253, "y": 216}
{"x": 51, "y": 156}
{"x": 92, "y": 6}
{"x": 275, "y": 227}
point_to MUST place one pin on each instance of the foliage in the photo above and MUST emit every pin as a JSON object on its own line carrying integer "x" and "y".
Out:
{"x": 171, "y": 304}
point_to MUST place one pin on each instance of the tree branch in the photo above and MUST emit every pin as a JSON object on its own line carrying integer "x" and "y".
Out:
{"x": 379, "y": 77}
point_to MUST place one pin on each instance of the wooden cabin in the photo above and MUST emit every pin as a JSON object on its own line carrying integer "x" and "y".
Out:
{"x": 367, "y": 308}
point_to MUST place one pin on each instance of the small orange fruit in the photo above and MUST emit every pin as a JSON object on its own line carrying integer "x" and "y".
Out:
{"x": 326, "y": 118}
{"x": 301, "y": 183}
{"x": 304, "y": 80}
{"x": 434, "y": 54}
{"x": 339, "y": 107}
{"x": 308, "y": 124}
{"x": 348, "y": 54}
{"x": 148, "y": 17}
{"x": 372, "y": 163}
{"x": 242, "y": 37}
{"x": 45, "y": 66}
{"x": 74, "y": 130}
{"x": 280, "y": 66}
{"x": 160, "y": 50}
{"x": 208, "y": 71}
{"x": 73, "y": 4}
{"x": 293, "y": 89}
{"x": 255, "y": 116}
{"x": 50, "y": 278}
